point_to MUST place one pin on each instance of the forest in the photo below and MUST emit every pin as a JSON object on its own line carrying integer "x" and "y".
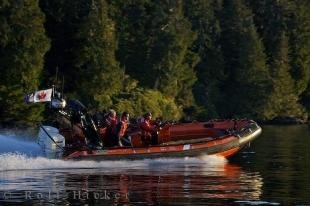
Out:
{"x": 180, "y": 60}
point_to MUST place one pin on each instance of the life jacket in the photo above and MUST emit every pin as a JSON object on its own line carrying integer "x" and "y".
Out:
{"x": 122, "y": 128}
{"x": 110, "y": 124}
{"x": 147, "y": 128}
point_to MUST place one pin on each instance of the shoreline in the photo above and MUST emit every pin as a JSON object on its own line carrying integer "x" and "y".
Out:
{"x": 276, "y": 121}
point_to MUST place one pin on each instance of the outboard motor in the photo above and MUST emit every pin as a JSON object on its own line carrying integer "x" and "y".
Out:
{"x": 58, "y": 103}
{"x": 51, "y": 142}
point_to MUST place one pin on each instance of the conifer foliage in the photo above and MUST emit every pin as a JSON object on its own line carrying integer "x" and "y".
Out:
{"x": 248, "y": 84}
{"x": 99, "y": 75}
{"x": 195, "y": 59}
{"x": 23, "y": 44}
{"x": 283, "y": 99}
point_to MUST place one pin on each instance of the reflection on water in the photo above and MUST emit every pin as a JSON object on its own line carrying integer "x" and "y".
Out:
{"x": 183, "y": 181}
{"x": 282, "y": 157}
{"x": 147, "y": 182}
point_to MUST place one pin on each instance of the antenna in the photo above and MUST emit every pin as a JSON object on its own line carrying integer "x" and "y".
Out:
{"x": 56, "y": 77}
{"x": 62, "y": 86}
{"x": 54, "y": 86}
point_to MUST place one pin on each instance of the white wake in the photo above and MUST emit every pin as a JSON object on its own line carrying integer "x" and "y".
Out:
{"x": 18, "y": 161}
{"x": 19, "y": 153}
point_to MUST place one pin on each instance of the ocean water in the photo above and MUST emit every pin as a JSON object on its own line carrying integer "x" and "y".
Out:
{"x": 274, "y": 170}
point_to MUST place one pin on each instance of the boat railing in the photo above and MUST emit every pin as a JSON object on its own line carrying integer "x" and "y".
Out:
{"x": 247, "y": 130}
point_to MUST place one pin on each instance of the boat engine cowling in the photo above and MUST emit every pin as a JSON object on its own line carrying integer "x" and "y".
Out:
{"x": 51, "y": 142}
{"x": 58, "y": 103}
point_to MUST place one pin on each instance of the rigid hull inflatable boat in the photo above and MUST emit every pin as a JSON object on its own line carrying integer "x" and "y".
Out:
{"x": 215, "y": 137}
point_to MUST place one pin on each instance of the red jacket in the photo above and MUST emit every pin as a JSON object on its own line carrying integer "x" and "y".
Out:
{"x": 147, "y": 127}
{"x": 122, "y": 128}
{"x": 110, "y": 124}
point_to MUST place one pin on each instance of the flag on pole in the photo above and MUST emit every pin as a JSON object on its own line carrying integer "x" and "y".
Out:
{"x": 39, "y": 96}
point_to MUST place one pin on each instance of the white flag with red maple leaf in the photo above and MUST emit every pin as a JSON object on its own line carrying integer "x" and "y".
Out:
{"x": 40, "y": 96}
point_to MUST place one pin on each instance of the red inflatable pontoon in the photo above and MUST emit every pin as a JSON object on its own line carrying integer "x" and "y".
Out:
{"x": 216, "y": 137}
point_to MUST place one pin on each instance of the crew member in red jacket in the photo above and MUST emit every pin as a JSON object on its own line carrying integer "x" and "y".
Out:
{"x": 148, "y": 129}
{"x": 110, "y": 123}
{"x": 122, "y": 128}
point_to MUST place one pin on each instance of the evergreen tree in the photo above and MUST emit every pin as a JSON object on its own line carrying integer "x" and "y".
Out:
{"x": 248, "y": 81}
{"x": 133, "y": 34}
{"x": 275, "y": 17}
{"x": 283, "y": 101}
{"x": 270, "y": 18}
{"x": 156, "y": 49}
{"x": 252, "y": 75}
{"x": 83, "y": 47}
{"x": 299, "y": 41}
{"x": 22, "y": 47}
{"x": 292, "y": 17}
{"x": 306, "y": 100}
{"x": 302, "y": 59}
{"x": 172, "y": 62}
{"x": 100, "y": 76}
{"x": 62, "y": 19}
{"x": 238, "y": 61}
{"x": 204, "y": 17}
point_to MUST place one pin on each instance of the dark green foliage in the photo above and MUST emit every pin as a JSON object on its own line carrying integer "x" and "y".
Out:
{"x": 195, "y": 59}
{"x": 299, "y": 41}
{"x": 139, "y": 101}
{"x": 204, "y": 17}
{"x": 273, "y": 18}
{"x": 88, "y": 61}
{"x": 292, "y": 17}
{"x": 155, "y": 38}
{"x": 306, "y": 99}
{"x": 133, "y": 22}
{"x": 172, "y": 63}
{"x": 22, "y": 46}
{"x": 283, "y": 100}
{"x": 99, "y": 75}
{"x": 248, "y": 84}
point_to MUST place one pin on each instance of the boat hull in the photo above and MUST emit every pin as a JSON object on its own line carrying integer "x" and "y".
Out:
{"x": 222, "y": 146}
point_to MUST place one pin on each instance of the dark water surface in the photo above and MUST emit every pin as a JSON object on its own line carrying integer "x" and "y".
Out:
{"x": 274, "y": 170}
